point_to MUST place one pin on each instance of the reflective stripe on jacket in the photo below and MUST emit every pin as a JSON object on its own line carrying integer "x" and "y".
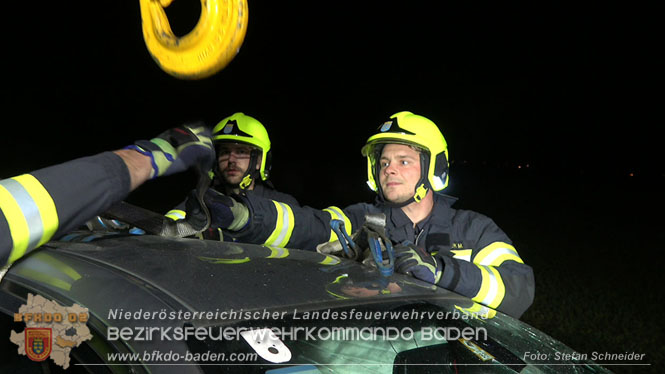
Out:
{"x": 49, "y": 202}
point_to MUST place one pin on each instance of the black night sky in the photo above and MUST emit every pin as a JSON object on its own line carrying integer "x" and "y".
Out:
{"x": 561, "y": 88}
{"x": 543, "y": 106}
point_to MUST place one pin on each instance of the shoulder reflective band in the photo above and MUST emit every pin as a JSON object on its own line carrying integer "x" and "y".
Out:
{"x": 30, "y": 213}
{"x": 336, "y": 213}
{"x": 283, "y": 225}
{"x": 492, "y": 290}
{"x": 176, "y": 214}
{"x": 496, "y": 253}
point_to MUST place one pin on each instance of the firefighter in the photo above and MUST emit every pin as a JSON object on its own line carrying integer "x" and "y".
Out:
{"x": 244, "y": 158}
{"x": 243, "y": 163}
{"x": 44, "y": 204}
{"x": 407, "y": 166}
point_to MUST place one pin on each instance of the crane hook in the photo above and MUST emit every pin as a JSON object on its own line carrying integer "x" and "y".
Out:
{"x": 208, "y": 48}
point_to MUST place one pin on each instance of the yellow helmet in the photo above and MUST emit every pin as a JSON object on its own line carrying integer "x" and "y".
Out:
{"x": 415, "y": 130}
{"x": 241, "y": 128}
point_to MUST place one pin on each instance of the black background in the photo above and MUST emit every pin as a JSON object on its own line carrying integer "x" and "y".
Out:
{"x": 552, "y": 114}
{"x": 565, "y": 89}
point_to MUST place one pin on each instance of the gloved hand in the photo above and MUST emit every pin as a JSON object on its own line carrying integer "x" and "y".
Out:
{"x": 225, "y": 212}
{"x": 178, "y": 149}
{"x": 195, "y": 214}
{"x": 413, "y": 260}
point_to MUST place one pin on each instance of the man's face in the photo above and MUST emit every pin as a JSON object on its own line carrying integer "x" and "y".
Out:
{"x": 399, "y": 172}
{"x": 233, "y": 161}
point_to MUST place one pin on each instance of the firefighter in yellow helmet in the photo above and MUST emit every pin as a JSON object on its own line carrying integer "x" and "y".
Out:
{"x": 240, "y": 142}
{"x": 407, "y": 166}
{"x": 244, "y": 158}
{"x": 418, "y": 134}
{"x": 243, "y": 166}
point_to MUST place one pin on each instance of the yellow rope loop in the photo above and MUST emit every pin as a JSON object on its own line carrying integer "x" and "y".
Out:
{"x": 208, "y": 48}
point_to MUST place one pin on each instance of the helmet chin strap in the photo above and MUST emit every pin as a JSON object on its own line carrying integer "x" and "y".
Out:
{"x": 417, "y": 197}
{"x": 252, "y": 174}
{"x": 246, "y": 181}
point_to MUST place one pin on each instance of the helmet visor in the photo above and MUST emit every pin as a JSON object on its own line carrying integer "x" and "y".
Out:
{"x": 377, "y": 144}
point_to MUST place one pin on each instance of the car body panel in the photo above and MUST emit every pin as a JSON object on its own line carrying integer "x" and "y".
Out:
{"x": 118, "y": 276}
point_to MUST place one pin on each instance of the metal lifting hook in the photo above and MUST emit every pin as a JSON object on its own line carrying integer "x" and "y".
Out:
{"x": 208, "y": 48}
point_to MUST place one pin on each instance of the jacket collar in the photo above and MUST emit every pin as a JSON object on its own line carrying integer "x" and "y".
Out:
{"x": 440, "y": 215}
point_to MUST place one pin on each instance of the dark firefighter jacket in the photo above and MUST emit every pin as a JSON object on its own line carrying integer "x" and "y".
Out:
{"x": 480, "y": 260}
{"x": 272, "y": 194}
{"x": 260, "y": 190}
{"x": 49, "y": 202}
{"x": 214, "y": 233}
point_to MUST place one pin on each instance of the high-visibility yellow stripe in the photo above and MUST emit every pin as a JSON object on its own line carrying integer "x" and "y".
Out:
{"x": 462, "y": 254}
{"x": 18, "y": 227}
{"x": 496, "y": 253}
{"x": 30, "y": 213}
{"x": 501, "y": 258}
{"x": 500, "y": 289}
{"x": 492, "y": 289}
{"x": 176, "y": 214}
{"x": 478, "y": 311}
{"x": 484, "y": 285}
{"x": 337, "y": 213}
{"x": 47, "y": 210}
{"x": 283, "y": 225}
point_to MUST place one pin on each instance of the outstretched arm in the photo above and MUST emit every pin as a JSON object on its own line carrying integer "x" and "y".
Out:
{"x": 138, "y": 166}
{"x": 43, "y": 204}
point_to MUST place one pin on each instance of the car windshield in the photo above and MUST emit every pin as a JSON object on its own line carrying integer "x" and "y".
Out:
{"x": 396, "y": 336}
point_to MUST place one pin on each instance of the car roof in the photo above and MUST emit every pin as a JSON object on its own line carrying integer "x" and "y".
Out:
{"x": 125, "y": 280}
{"x": 196, "y": 275}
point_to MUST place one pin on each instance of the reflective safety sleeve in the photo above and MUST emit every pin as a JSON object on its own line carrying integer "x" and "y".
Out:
{"x": 30, "y": 213}
{"x": 492, "y": 289}
{"x": 337, "y": 213}
{"x": 494, "y": 276}
{"x": 496, "y": 253}
{"x": 484, "y": 265}
{"x": 284, "y": 224}
{"x": 52, "y": 201}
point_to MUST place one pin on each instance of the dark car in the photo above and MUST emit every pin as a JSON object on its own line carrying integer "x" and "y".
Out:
{"x": 195, "y": 306}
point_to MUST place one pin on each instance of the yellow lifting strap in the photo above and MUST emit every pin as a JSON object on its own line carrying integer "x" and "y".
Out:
{"x": 208, "y": 48}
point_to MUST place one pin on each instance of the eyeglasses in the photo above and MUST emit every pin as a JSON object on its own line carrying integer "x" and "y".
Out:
{"x": 240, "y": 152}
